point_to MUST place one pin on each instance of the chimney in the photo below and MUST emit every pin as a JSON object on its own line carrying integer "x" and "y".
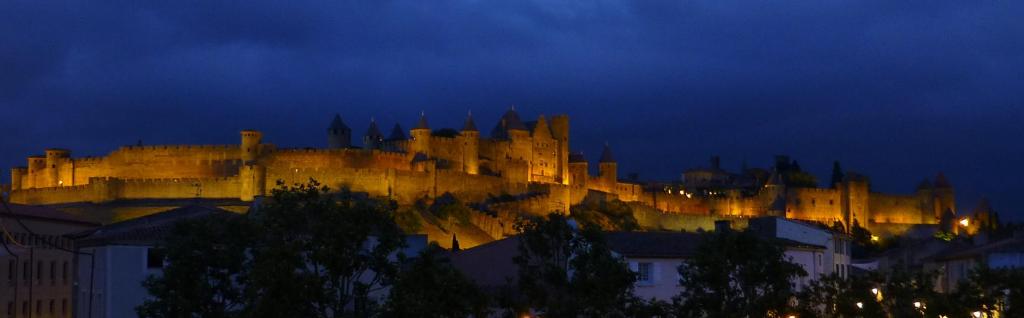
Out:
{"x": 722, "y": 226}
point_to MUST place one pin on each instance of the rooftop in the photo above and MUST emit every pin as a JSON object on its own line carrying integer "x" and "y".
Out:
{"x": 145, "y": 230}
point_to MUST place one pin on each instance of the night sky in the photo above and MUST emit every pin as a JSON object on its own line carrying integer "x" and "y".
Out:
{"x": 896, "y": 90}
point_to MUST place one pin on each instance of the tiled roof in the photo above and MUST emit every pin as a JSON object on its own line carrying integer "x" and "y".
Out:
{"x": 41, "y": 213}
{"x": 146, "y": 230}
{"x": 1010, "y": 245}
{"x": 654, "y": 244}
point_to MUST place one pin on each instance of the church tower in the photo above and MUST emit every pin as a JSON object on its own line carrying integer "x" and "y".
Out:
{"x": 339, "y": 136}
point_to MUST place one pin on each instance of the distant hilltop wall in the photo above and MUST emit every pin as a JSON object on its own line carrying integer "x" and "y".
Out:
{"x": 100, "y": 190}
{"x": 515, "y": 158}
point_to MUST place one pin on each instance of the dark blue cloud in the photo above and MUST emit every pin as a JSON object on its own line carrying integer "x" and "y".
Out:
{"x": 896, "y": 90}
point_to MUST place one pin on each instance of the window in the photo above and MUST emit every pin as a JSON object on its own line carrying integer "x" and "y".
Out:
{"x": 39, "y": 308}
{"x": 24, "y": 308}
{"x": 10, "y": 309}
{"x": 53, "y": 271}
{"x": 64, "y": 307}
{"x": 39, "y": 271}
{"x": 12, "y": 267}
{"x": 26, "y": 272}
{"x": 645, "y": 272}
{"x": 64, "y": 273}
{"x": 154, "y": 259}
{"x": 53, "y": 308}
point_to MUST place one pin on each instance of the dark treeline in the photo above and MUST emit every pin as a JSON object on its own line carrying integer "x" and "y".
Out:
{"x": 310, "y": 252}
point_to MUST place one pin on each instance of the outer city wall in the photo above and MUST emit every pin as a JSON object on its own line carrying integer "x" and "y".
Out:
{"x": 100, "y": 190}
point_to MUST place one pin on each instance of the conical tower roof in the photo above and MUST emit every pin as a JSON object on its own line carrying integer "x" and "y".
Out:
{"x": 337, "y": 124}
{"x": 397, "y": 133}
{"x": 924, "y": 185}
{"x": 941, "y": 181}
{"x": 509, "y": 121}
{"x": 470, "y": 125}
{"x": 422, "y": 124}
{"x": 373, "y": 131}
{"x": 606, "y": 154}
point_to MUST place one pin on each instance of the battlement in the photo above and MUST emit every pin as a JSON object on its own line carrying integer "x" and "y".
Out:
{"x": 178, "y": 147}
{"x": 814, "y": 190}
{"x": 89, "y": 159}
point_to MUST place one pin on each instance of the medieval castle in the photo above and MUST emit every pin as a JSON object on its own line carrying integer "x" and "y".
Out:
{"x": 527, "y": 159}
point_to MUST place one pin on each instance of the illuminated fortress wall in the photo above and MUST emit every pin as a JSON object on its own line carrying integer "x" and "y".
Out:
{"x": 526, "y": 159}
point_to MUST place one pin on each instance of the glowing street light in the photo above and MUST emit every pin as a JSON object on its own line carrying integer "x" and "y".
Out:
{"x": 965, "y": 222}
{"x": 860, "y": 305}
{"x": 874, "y": 238}
{"x": 917, "y": 304}
{"x": 874, "y": 291}
{"x": 977, "y": 314}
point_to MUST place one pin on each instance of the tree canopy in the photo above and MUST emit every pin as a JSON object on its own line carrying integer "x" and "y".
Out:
{"x": 567, "y": 272}
{"x": 736, "y": 274}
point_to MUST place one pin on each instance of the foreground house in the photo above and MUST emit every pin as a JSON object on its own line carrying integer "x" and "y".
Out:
{"x": 654, "y": 256}
{"x": 110, "y": 283}
{"x": 835, "y": 257}
{"x": 37, "y": 261}
{"x": 957, "y": 262}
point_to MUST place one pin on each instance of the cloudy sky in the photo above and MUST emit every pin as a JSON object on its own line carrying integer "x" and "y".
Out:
{"x": 897, "y": 90}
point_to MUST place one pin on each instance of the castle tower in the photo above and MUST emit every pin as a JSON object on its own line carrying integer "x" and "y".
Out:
{"x": 54, "y": 160}
{"x": 17, "y": 174}
{"x": 420, "y": 137}
{"x": 511, "y": 128}
{"x": 944, "y": 196}
{"x": 577, "y": 177}
{"x": 560, "y": 131}
{"x": 36, "y": 172}
{"x": 397, "y": 133}
{"x": 543, "y": 164}
{"x": 251, "y": 145}
{"x": 373, "y": 138}
{"x": 339, "y": 136}
{"x": 774, "y": 194}
{"x": 608, "y": 169}
{"x": 926, "y": 198}
{"x": 470, "y": 138}
{"x": 854, "y": 200}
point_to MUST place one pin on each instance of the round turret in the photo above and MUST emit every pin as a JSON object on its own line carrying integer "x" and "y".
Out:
{"x": 420, "y": 137}
{"x": 338, "y": 134}
{"x": 251, "y": 144}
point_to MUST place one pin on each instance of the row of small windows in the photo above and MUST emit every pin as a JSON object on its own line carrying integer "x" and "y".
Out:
{"x": 51, "y": 309}
{"x": 39, "y": 240}
{"x": 26, "y": 272}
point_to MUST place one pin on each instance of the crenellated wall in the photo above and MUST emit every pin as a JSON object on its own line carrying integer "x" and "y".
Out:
{"x": 532, "y": 163}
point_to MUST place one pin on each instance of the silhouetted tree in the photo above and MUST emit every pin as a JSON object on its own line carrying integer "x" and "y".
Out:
{"x": 564, "y": 272}
{"x": 455, "y": 243}
{"x": 736, "y": 274}
{"x": 431, "y": 287}
{"x": 206, "y": 265}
